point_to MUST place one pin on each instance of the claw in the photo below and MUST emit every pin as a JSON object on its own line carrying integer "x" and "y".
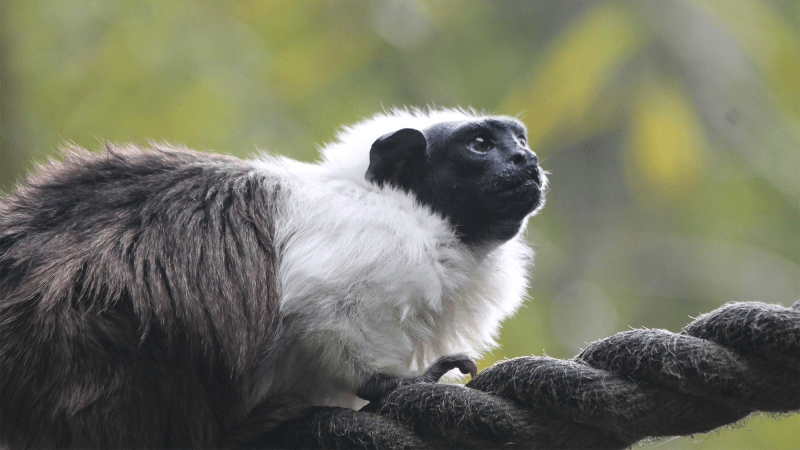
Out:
{"x": 470, "y": 367}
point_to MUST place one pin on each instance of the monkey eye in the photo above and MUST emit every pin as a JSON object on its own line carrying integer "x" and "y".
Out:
{"x": 479, "y": 145}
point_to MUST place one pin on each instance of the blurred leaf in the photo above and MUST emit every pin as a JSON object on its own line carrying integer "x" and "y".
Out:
{"x": 575, "y": 68}
{"x": 667, "y": 145}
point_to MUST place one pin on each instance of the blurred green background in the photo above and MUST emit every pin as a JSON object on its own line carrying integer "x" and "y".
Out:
{"x": 671, "y": 128}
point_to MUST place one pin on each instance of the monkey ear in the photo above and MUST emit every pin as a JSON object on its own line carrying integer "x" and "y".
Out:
{"x": 394, "y": 155}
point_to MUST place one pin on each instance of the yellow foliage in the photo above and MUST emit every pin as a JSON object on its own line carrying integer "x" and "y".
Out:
{"x": 666, "y": 144}
{"x": 579, "y": 64}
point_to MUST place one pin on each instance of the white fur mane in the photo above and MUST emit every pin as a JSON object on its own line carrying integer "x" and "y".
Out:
{"x": 372, "y": 281}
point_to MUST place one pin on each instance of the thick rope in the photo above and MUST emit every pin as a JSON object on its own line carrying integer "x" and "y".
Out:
{"x": 737, "y": 359}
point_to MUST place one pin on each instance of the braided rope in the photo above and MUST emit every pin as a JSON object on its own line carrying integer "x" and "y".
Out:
{"x": 737, "y": 359}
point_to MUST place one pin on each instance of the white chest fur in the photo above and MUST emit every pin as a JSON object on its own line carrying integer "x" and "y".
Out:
{"x": 371, "y": 281}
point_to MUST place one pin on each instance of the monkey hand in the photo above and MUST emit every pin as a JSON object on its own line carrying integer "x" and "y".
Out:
{"x": 380, "y": 384}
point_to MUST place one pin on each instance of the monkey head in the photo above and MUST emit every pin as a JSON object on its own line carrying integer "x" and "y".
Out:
{"x": 479, "y": 174}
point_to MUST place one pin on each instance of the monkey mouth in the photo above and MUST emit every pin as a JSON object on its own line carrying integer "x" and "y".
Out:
{"x": 527, "y": 180}
{"x": 520, "y": 187}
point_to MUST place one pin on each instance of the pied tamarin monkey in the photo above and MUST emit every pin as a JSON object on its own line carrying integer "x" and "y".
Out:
{"x": 162, "y": 297}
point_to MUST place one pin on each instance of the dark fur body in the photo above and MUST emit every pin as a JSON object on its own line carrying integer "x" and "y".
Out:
{"x": 111, "y": 322}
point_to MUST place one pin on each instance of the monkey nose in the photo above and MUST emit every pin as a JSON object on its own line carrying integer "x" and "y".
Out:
{"x": 523, "y": 157}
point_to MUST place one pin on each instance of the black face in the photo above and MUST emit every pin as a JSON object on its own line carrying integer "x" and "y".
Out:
{"x": 479, "y": 173}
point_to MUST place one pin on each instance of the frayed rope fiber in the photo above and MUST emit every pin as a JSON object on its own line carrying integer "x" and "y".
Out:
{"x": 737, "y": 359}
